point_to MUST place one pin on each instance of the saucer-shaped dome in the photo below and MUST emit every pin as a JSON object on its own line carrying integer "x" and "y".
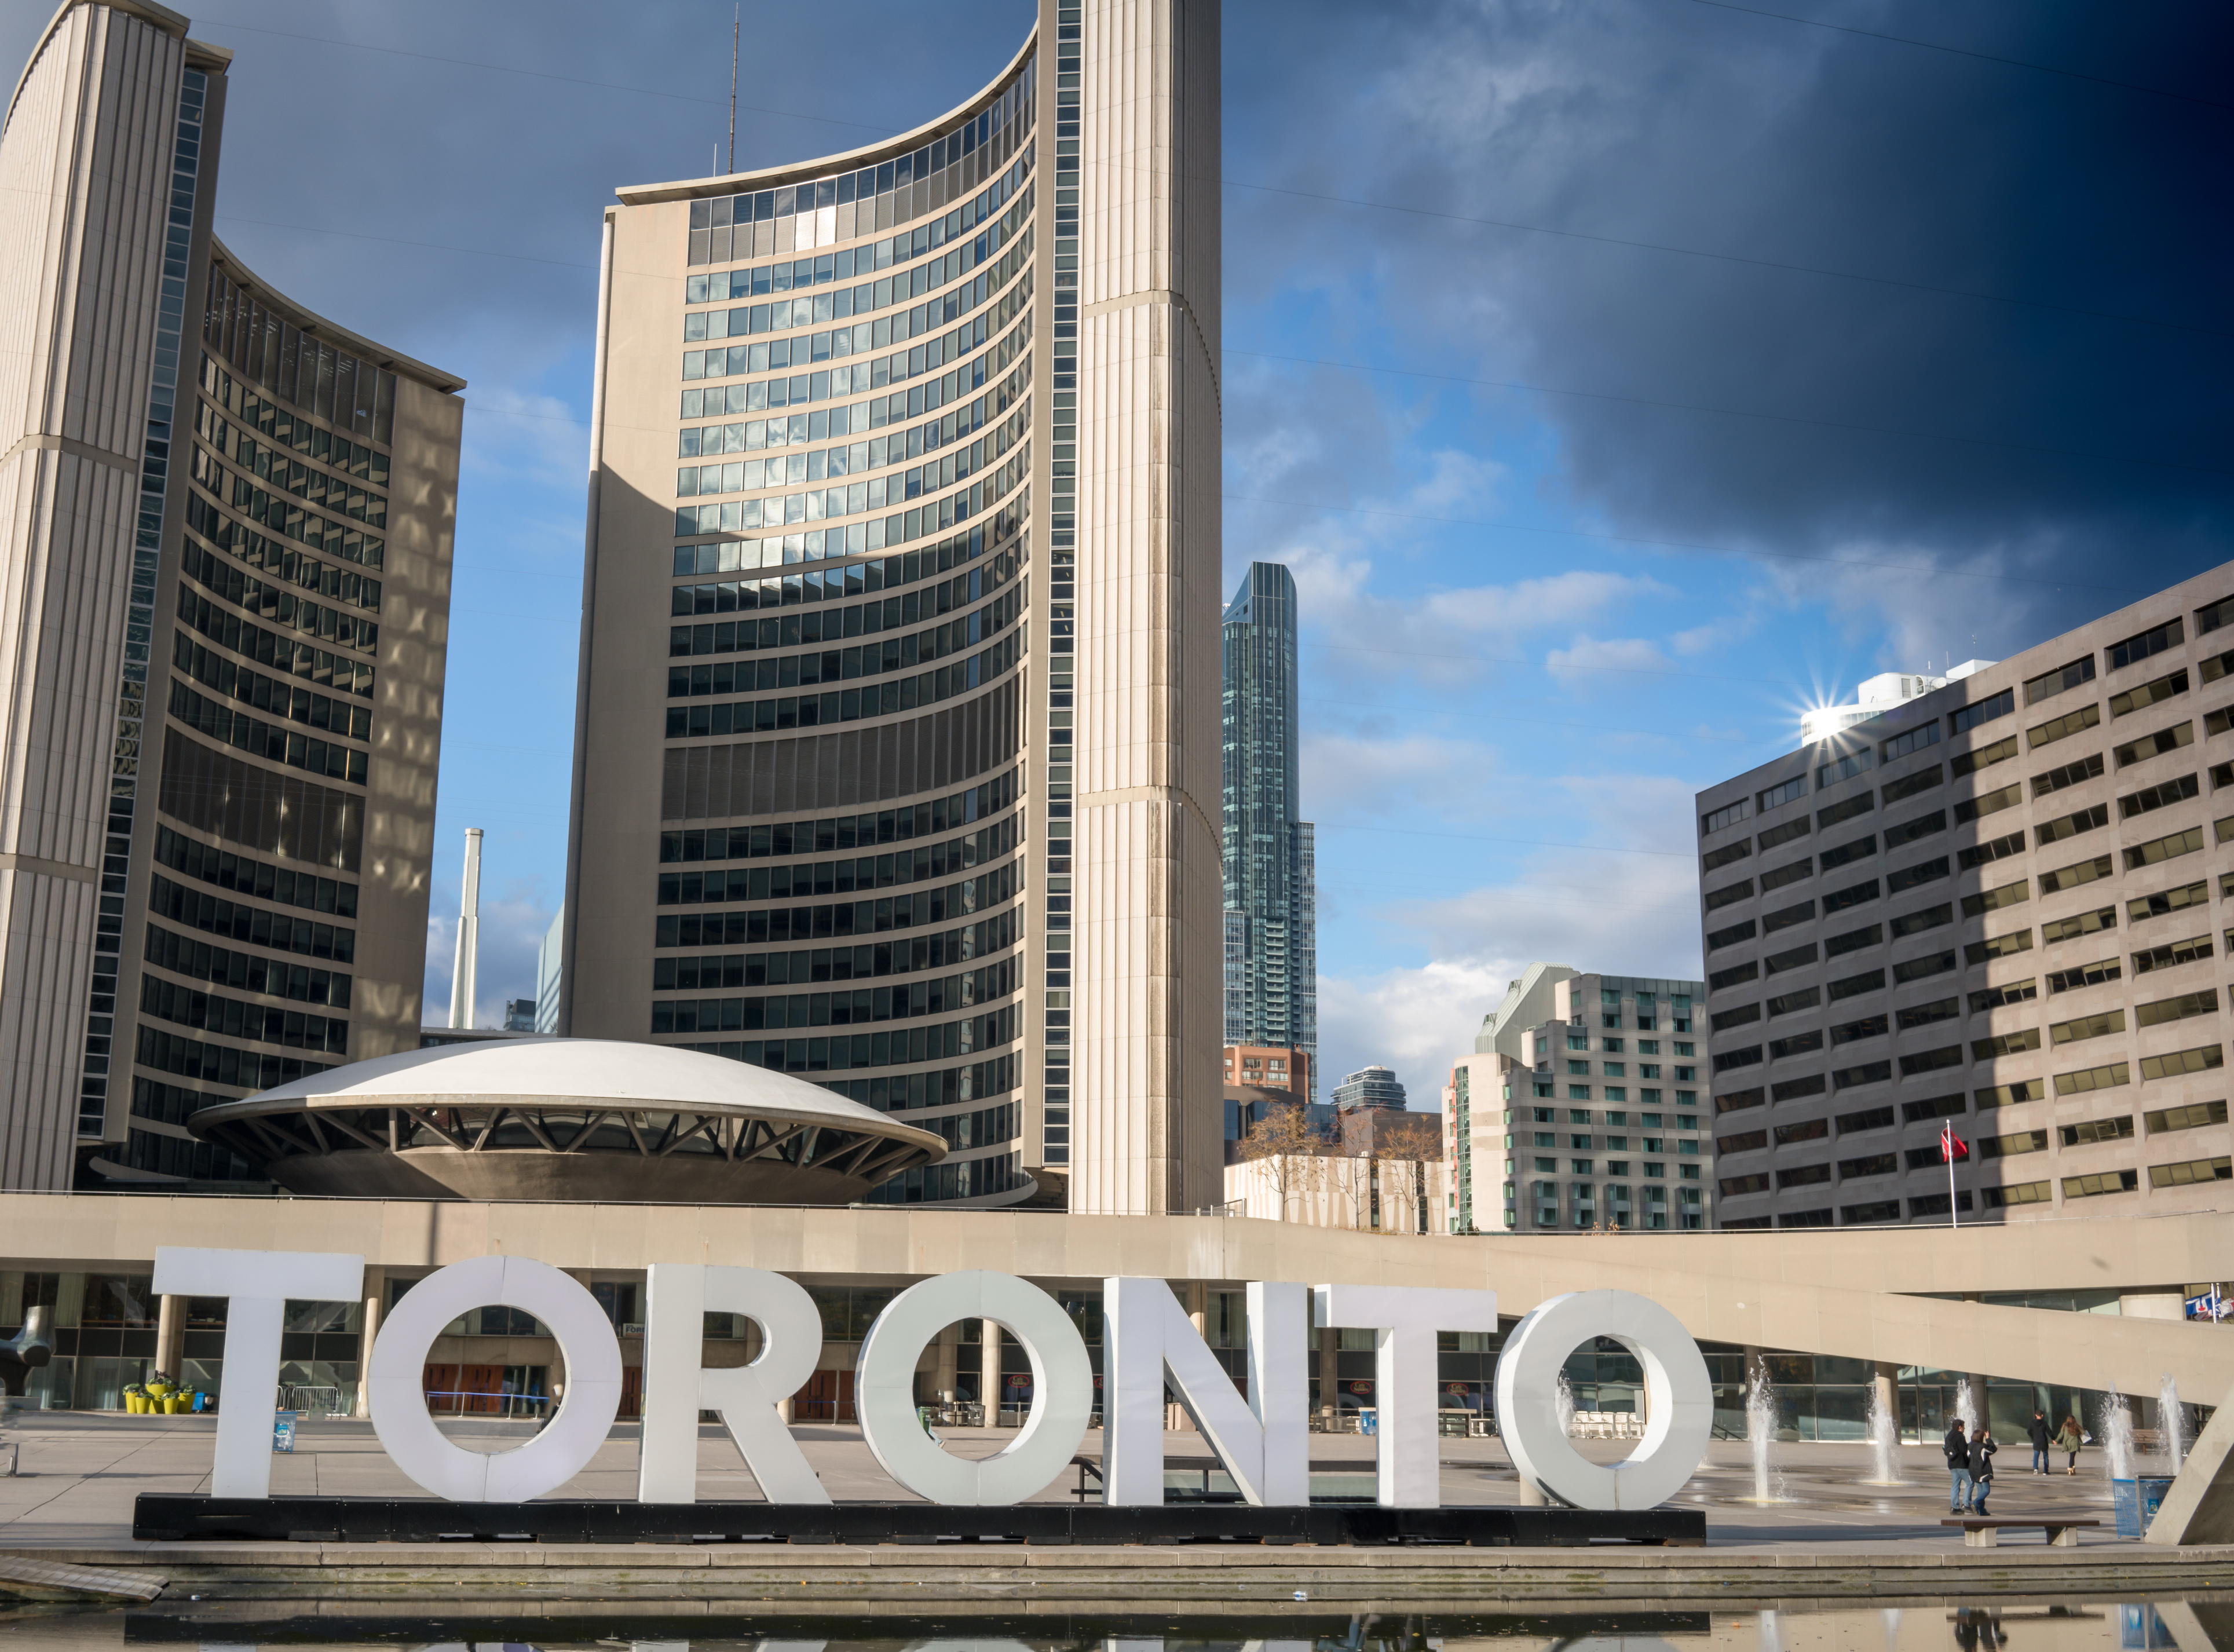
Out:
{"x": 567, "y": 1119}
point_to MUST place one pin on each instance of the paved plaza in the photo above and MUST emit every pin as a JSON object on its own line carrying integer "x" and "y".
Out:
{"x": 78, "y": 1473}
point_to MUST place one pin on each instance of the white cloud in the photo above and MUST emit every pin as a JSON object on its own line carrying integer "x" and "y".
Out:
{"x": 512, "y": 930}
{"x": 1623, "y": 913}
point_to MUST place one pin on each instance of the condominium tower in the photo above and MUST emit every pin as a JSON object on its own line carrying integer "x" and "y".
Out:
{"x": 1272, "y": 939}
{"x": 1580, "y": 1107}
{"x": 227, "y": 569}
{"x": 1992, "y": 910}
{"x": 902, "y": 780}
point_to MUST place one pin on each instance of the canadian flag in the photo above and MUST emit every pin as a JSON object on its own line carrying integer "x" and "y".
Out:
{"x": 1952, "y": 1146}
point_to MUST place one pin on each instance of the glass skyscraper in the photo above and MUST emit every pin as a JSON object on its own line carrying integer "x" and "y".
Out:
{"x": 1271, "y": 947}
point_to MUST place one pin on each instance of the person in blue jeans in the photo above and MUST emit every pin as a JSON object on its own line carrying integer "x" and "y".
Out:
{"x": 1982, "y": 1468}
{"x": 1956, "y": 1447}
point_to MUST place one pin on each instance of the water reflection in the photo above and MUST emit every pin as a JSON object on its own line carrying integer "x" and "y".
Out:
{"x": 1972, "y": 1626}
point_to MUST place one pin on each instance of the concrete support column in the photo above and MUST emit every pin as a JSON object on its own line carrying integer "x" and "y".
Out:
{"x": 1886, "y": 1381}
{"x": 989, "y": 1372}
{"x": 375, "y": 1303}
{"x": 1197, "y": 1306}
{"x": 171, "y": 1337}
{"x": 1977, "y": 1387}
{"x": 1329, "y": 1377}
{"x": 948, "y": 1361}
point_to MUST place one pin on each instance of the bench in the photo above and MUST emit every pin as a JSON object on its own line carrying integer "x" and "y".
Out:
{"x": 1980, "y": 1532}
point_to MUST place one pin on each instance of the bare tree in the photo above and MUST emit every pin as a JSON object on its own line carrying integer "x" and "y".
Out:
{"x": 1405, "y": 1146}
{"x": 1289, "y": 1149}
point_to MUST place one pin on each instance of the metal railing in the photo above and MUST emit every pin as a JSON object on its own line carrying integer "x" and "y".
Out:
{"x": 481, "y": 1403}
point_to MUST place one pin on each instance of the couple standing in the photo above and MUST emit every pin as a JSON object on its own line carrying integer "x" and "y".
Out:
{"x": 1970, "y": 1462}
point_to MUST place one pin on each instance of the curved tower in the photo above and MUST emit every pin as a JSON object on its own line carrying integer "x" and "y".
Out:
{"x": 223, "y": 603}
{"x": 898, "y": 750}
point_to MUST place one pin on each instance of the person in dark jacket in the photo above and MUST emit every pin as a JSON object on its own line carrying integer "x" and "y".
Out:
{"x": 2039, "y": 1431}
{"x": 1957, "y": 1448}
{"x": 1982, "y": 1467}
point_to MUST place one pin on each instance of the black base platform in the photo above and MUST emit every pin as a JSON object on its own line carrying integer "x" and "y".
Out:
{"x": 164, "y": 1517}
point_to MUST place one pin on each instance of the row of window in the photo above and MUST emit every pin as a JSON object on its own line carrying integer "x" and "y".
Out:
{"x": 274, "y": 742}
{"x": 2161, "y": 1121}
{"x": 875, "y": 494}
{"x": 278, "y": 558}
{"x": 314, "y": 665}
{"x": 1617, "y": 1119}
{"x": 268, "y": 602}
{"x": 269, "y": 351}
{"x": 814, "y": 586}
{"x": 1004, "y": 124}
{"x": 2182, "y": 1174}
{"x": 2157, "y": 640}
{"x": 752, "y": 435}
{"x": 832, "y": 584}
{"x": 314, "y": 442}
{"x": 874, "y": 659}
{"x": 1620, "y": 1069}
{"x": 214, "y": 915}
{"x": 226, "y": 1064}
{"x": 2110, "y": 1075}
{"x": 938, "y": 996}
{"x": 803, "y": 879}
{"x": 260, "y": 462}
{"x": 860, "y": 537}
{"x": 828, "y": 464}
{"x": 898, "y": 1048}
{"x": 782, "y": 314}
{"x": 1581, "y": 1142}
{"x": 231, "y": 1018}
{"x": 283, "y": 700}
{"x": 2148, "y": 800}
{"x": 257, "y": 879}
{"x": 1618, "y": 1093}
{"x": 759, "y": 281}
{"x": 2156, "y": 850}
{"x": 273, "y": 978}
{"x": 782, "y": 838}
{"x": 714, "y": 971}
{"x": 2156, "y": 1013}
{"x": 846, "y": 705}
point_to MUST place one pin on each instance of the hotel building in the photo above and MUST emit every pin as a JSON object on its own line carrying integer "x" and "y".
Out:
{"x": 228, "y": 530}
{"x": 1994, "y": 908}
{"x": 898, "y": 732}
{"x": 1580, "y": 1108}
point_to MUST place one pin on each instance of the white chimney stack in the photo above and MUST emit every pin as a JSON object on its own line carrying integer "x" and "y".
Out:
{"x": 469, "y": 935}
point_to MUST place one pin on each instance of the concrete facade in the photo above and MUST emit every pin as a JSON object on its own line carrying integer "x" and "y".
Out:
{"x": 1580, "y": 1107}
{"x": 1995, "y": 908}
{"x": 229, "y": 526}
{"x": 1045, "y": 471}
{"x": 1891, "y": 1296}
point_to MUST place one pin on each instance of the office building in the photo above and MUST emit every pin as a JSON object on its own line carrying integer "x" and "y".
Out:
{"x": 1580, "y": 1108}
{"x": 519, "y": 1015}
{"x": 902, "y": 782}
{"x": 1993, "y": 908}
{"x": 1271, "y": 1067}
{"x": 1272, "y": 939}
{"x": 229, "y": 541}
{"x": 1875, "y": 696}
{"x": 1370, "y": 1086}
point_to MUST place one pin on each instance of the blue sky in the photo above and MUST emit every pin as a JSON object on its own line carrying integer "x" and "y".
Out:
{"x": 1617, "y": 376}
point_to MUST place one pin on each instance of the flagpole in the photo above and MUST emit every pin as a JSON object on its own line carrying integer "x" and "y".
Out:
{"x": 1953, "y": 1219}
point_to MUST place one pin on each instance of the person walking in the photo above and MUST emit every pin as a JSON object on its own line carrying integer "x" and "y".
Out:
{"x": 2039, "y": 1431}
{"x": 1982, "y": 1468}
{"x": 1957, "y": 1446}
{"x": 2067, "y": 1440}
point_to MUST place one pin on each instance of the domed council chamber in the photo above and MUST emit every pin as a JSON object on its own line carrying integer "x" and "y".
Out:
{"x": 564, "y": 1119}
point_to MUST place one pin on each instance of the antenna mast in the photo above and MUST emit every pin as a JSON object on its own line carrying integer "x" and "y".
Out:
{"x": 737, "y": 23}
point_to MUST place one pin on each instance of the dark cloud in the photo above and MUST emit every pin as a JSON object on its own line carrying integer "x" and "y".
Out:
{"x": 1943, "y": 427}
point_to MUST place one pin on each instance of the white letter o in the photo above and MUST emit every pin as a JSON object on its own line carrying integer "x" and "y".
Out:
{"x": 398, "y": 1402}
{"x": 1679, "y": 1400}
{"x": 1063, "y": 1389}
